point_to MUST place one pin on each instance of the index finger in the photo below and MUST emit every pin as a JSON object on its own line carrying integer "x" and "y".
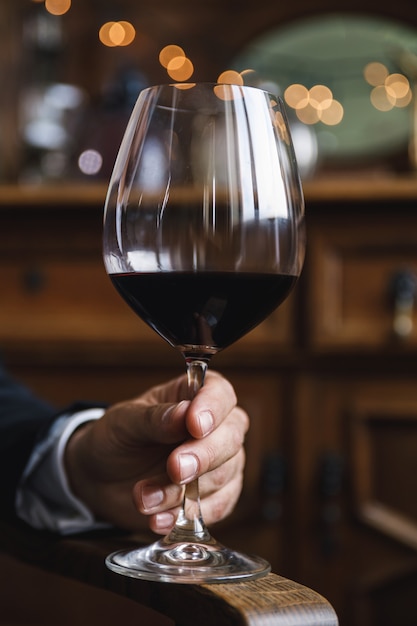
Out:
{"x": 211, "y": 405}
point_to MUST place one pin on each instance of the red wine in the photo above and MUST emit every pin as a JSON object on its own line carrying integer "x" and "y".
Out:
{"x": 202, "y": 312}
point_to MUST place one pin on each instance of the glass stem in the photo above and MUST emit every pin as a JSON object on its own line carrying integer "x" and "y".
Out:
{"x": 190, "y": 524}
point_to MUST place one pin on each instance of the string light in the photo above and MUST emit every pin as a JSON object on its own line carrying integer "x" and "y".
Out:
{"x": 375, "y": 73}
{"x": 113, "y": 34}
{"x": 170, "y": 52}
{"x": 389, "y": 90}
{"x": 178, "y": 66}
{"x": 57, "y": 7}
{"x": 314, "y": 105}
{"x": 230, "y": 77}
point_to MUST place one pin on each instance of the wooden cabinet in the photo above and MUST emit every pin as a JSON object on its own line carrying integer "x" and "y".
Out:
{"x": 330, "y": 380}
{"x": 363, "y": 276}
{"x": 356, "y": 517}
{"x": 356, "y": 403}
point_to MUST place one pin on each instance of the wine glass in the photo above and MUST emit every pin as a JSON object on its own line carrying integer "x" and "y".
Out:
{"x": 203, "y": 238}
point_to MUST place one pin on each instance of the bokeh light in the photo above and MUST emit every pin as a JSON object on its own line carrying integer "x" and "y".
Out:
{"x": 314, "y": 105}
{"x": 389, "y": 90}
{"x": 375, "y": 73}
{"x": 170, "y": 52}
{"x": 230, "y": 77}
{"x": 90, "y": 162}
{"x": 397, "y": 85}
{"x": 332, "y": 114}
{"x": 112, "y": 34}
{"x": 180, "y": 68}
{"x": 296, "y": 95}
{"x": 57, "y": 7}
{"x": 382, "y": 99}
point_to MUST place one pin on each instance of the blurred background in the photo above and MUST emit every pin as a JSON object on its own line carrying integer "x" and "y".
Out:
{"x": 71, "y": 73}
{"x": 330, "y": 379}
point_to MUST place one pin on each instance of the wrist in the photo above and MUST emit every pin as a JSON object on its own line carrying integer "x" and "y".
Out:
{"x": 75, "y": 462}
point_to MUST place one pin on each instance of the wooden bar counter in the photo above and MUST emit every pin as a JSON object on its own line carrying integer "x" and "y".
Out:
{"x": 48, "y": 574}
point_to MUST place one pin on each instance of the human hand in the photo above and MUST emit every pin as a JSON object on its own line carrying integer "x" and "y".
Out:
{"x": 130, "y": 466}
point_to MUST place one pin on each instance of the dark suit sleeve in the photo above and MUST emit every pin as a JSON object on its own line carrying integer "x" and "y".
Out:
{"x": 23, "y": 420}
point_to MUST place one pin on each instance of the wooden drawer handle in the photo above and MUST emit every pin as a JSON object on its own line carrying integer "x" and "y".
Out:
{"x": 403, "y": 292}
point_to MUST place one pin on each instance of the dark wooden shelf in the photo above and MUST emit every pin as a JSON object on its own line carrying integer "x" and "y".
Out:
{"x": 350, "y": 187}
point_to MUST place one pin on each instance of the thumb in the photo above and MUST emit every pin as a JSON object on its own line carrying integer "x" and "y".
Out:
{"x": 137, "y": 422}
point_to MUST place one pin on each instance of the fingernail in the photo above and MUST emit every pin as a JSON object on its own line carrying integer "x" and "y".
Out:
{"x": 188, "y": 467}
{"x": 151, "y": 497}
{"x": 164, "y": 520}
{"x": 205, "y": 419}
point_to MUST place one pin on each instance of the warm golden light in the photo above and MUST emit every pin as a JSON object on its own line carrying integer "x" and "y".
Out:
{"x": 248, "y": 73}
{"x": 184, "y": 86}
{"x": 397, "y": 85}
{"x": 129, "y": 33}
{"x": 390, "y": 90}
{"x": 296, "y": 94}
{"x": 116, "y": 34}
{"x": 176, "y": 63}
{"x": 170, "y": 52}
{"x": 224, "y": 91}
{"x": 104, "y": 34}
{"x": 113, "y": 34}
{"x": 180, "y": 68}
{"x": 405, "y": 100}
{"x": 320, "y": 97}
{"x": 281, "y": 127}
{"x": 381, "y": 99}
{"x": 375, "y": 73}
{"x": 230, "y": 77}
{"x": 308, "y": 114}
{"x": 57, "y": 7}
{"x": 314, "y": 105}
{"x": 332, "y": 114}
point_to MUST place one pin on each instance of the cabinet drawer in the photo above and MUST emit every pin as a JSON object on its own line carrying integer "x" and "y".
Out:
{"x": 72, "y": 299}
{"x": 64, "y": 300}
{"x": 55, "y": 288}
{"x": 362, "y": 287}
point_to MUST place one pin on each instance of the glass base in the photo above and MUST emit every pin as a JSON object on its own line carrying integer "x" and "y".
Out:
{"x": 193, "y": 563}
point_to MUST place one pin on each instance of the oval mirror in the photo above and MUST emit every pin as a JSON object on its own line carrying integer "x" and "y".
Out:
{"x": 358, "y": 59}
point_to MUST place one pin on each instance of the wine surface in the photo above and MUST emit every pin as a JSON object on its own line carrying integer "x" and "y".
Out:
{"x": 202, "y": 312}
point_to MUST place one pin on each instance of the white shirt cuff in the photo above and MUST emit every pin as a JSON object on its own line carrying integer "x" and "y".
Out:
{"x": 44, "y": 498}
